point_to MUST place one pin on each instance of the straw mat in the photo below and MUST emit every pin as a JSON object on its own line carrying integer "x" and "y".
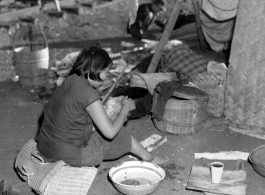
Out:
{"x": 245, "y": 86}
{"x": 71, "y": 181}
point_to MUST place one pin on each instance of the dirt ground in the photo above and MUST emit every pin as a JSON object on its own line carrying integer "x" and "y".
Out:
{"x": 21, "y": 108}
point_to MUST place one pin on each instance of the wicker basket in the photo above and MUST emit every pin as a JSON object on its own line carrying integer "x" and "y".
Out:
{"x": 31, "y": 167}
{"x": 150, "y": 80}
{"x": 215, "y": 87}
{"x": 183, "y": 116}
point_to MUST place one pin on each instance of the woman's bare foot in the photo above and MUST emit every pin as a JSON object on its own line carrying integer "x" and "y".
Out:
{"x": 139, "y": 151}
{"x": 160, "y": 159}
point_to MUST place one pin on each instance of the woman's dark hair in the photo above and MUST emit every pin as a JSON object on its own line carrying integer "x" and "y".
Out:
{"x": 91, "y": 61}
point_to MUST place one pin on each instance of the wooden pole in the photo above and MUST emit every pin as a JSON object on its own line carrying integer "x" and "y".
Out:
{"x": 197, "y": 10}
{"x": 57, "y": 5}
{"x": 165, "y": 36}
{"x": 114, "y": 85}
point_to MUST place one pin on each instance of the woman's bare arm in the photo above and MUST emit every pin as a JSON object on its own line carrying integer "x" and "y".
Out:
{"x": 108, "y": 128}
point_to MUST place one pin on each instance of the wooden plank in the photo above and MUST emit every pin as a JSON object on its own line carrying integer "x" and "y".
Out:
{"x": 188, "y": 29}
{"x": 165, "y": 36}
{"x": 14, "y": 15}
{"x": 6, "y": 2}
{"x": 223, "y": 155}
{"x": 233, "y": 182}
{"x": 108, "y": 4}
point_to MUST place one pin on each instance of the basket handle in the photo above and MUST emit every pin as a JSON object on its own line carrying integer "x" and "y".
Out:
{"x": 138, "y": 74}
{"x": 31, "y": 26}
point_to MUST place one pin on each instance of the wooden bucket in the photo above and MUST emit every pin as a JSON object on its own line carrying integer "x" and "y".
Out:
{"x": 31, "y": 61}
{"x": 182, "y": 115}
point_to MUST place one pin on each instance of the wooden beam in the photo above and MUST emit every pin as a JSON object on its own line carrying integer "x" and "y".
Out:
{"x": 165, "y": 36}
{"x": 14, "y": 15}
{"x": 108, "y": 4}
{"x": 187, "y": 30}
{"x": 58, "y": 6}
{"x": 223, "y": 155}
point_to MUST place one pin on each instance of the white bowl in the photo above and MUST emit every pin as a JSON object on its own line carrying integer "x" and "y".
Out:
{"x": 147, "y": 177}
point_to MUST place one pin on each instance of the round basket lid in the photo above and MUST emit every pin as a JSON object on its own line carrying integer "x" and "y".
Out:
{"x": 190, "y": 93}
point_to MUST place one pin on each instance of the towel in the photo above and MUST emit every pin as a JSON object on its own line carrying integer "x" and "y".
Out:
{"x": 165, "y": 90}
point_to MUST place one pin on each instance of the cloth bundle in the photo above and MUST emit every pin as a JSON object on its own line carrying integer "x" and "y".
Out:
{"x": 165, "y": 91}
{"x": 182, "y": 59}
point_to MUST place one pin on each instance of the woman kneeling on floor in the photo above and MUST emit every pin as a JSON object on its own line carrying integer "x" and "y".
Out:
{"x": 75, "y": 107}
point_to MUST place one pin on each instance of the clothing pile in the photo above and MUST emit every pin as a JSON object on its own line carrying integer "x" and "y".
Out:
{"x": 179, "y": 58}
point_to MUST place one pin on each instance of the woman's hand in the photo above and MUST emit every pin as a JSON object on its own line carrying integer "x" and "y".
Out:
{"x": 128, "y": 103}
{"x": 99, "y": 116}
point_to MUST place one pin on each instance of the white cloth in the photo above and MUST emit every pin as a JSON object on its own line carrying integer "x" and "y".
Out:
{"x": 220, "y": 9}
{"x": 217, "y": 33}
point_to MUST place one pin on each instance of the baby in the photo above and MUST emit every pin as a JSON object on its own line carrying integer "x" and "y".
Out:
{"x": 113, "y": 107}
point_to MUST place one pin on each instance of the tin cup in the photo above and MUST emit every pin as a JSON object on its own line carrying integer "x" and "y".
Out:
{"x": 217, "y": 171}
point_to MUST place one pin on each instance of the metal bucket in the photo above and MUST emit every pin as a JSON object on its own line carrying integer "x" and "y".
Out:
{"x": 32, "y": 61}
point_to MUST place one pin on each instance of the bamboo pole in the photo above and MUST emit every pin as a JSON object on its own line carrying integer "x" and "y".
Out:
{"x": 197, "y": 10}
{"x": 57, "y": 5}
{"x": 114, "y": 85}
{"x": 165, "y": 36}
